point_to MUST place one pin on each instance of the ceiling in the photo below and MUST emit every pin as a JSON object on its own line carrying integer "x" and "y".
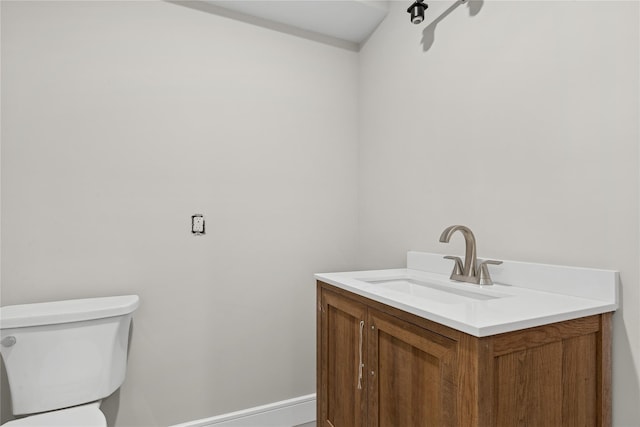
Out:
{"x": 352, "y": 21}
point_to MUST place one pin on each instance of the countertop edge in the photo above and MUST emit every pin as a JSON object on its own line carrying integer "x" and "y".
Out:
{"x": 476, "y": 331}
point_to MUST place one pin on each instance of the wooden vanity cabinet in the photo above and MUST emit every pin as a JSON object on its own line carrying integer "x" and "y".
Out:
{"x": 419, "y": 373}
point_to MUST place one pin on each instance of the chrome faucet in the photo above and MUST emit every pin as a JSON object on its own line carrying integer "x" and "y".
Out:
{"x": 471, "y": 271}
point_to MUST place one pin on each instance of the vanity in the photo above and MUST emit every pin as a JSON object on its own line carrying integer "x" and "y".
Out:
{"x": 411, "y": 347}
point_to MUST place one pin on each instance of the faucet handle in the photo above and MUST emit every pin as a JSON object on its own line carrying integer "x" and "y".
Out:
{"x": 457, "y": 268}
{"x": 485, "y": 277}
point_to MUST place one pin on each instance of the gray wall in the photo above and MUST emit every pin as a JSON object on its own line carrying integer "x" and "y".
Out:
{"x": 120, "y": 121}
{"x": 520, "y": 121}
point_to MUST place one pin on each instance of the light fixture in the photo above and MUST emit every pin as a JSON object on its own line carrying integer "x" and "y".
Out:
{"x": 417, "y": 11}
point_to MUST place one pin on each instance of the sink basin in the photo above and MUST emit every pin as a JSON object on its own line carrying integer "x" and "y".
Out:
{"x": 443, "y": 293}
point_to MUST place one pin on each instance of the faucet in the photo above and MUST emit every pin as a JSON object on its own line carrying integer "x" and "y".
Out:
{"x": 471, "y": 271}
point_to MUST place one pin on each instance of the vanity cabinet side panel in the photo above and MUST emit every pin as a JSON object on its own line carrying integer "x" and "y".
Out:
{"x": 604, "y": 348}
{"x": 412, "y": 374}
{"x": 529, "y": 387}
{"x": 340, "y": 401}
{"x": 557, "y": 374}
{"x": 579, "y": 381}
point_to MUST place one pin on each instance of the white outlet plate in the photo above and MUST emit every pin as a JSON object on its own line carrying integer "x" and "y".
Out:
{"x": 197, "y": 224}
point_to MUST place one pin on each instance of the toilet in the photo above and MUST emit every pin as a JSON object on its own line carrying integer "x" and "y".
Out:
{"x": 63, "y": 357}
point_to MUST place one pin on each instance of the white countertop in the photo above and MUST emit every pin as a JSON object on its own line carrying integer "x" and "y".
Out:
{"x": 523, "y": 295}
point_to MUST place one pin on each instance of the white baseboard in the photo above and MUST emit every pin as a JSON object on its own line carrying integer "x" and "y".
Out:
{"x": 286, "y": 413}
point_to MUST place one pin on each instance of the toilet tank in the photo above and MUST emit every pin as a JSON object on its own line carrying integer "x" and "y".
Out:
{"x": 65, "y": 353}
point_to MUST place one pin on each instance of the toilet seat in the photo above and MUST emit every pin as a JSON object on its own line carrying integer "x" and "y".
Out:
{"x": 78, "y": 416}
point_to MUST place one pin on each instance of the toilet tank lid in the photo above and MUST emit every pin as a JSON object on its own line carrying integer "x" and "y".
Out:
{"x": 76, "y": 310}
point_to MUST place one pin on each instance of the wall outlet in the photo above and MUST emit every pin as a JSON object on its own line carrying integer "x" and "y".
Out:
{"x": 197, "y": 224}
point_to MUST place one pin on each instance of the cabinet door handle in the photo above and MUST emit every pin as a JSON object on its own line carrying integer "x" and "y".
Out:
{"x": 360, "y": 365}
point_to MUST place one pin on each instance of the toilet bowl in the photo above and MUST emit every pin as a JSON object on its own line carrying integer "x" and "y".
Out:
{"x": 63, "y": 357}
{"x": 79, "y": 416}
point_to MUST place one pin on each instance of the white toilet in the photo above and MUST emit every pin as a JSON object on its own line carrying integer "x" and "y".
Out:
{"x": 63, "y": 357}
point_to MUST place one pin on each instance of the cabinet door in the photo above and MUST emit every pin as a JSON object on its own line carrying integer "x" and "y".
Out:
{"x": 411, "y": 374}
{"x": 342, "y": 342}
